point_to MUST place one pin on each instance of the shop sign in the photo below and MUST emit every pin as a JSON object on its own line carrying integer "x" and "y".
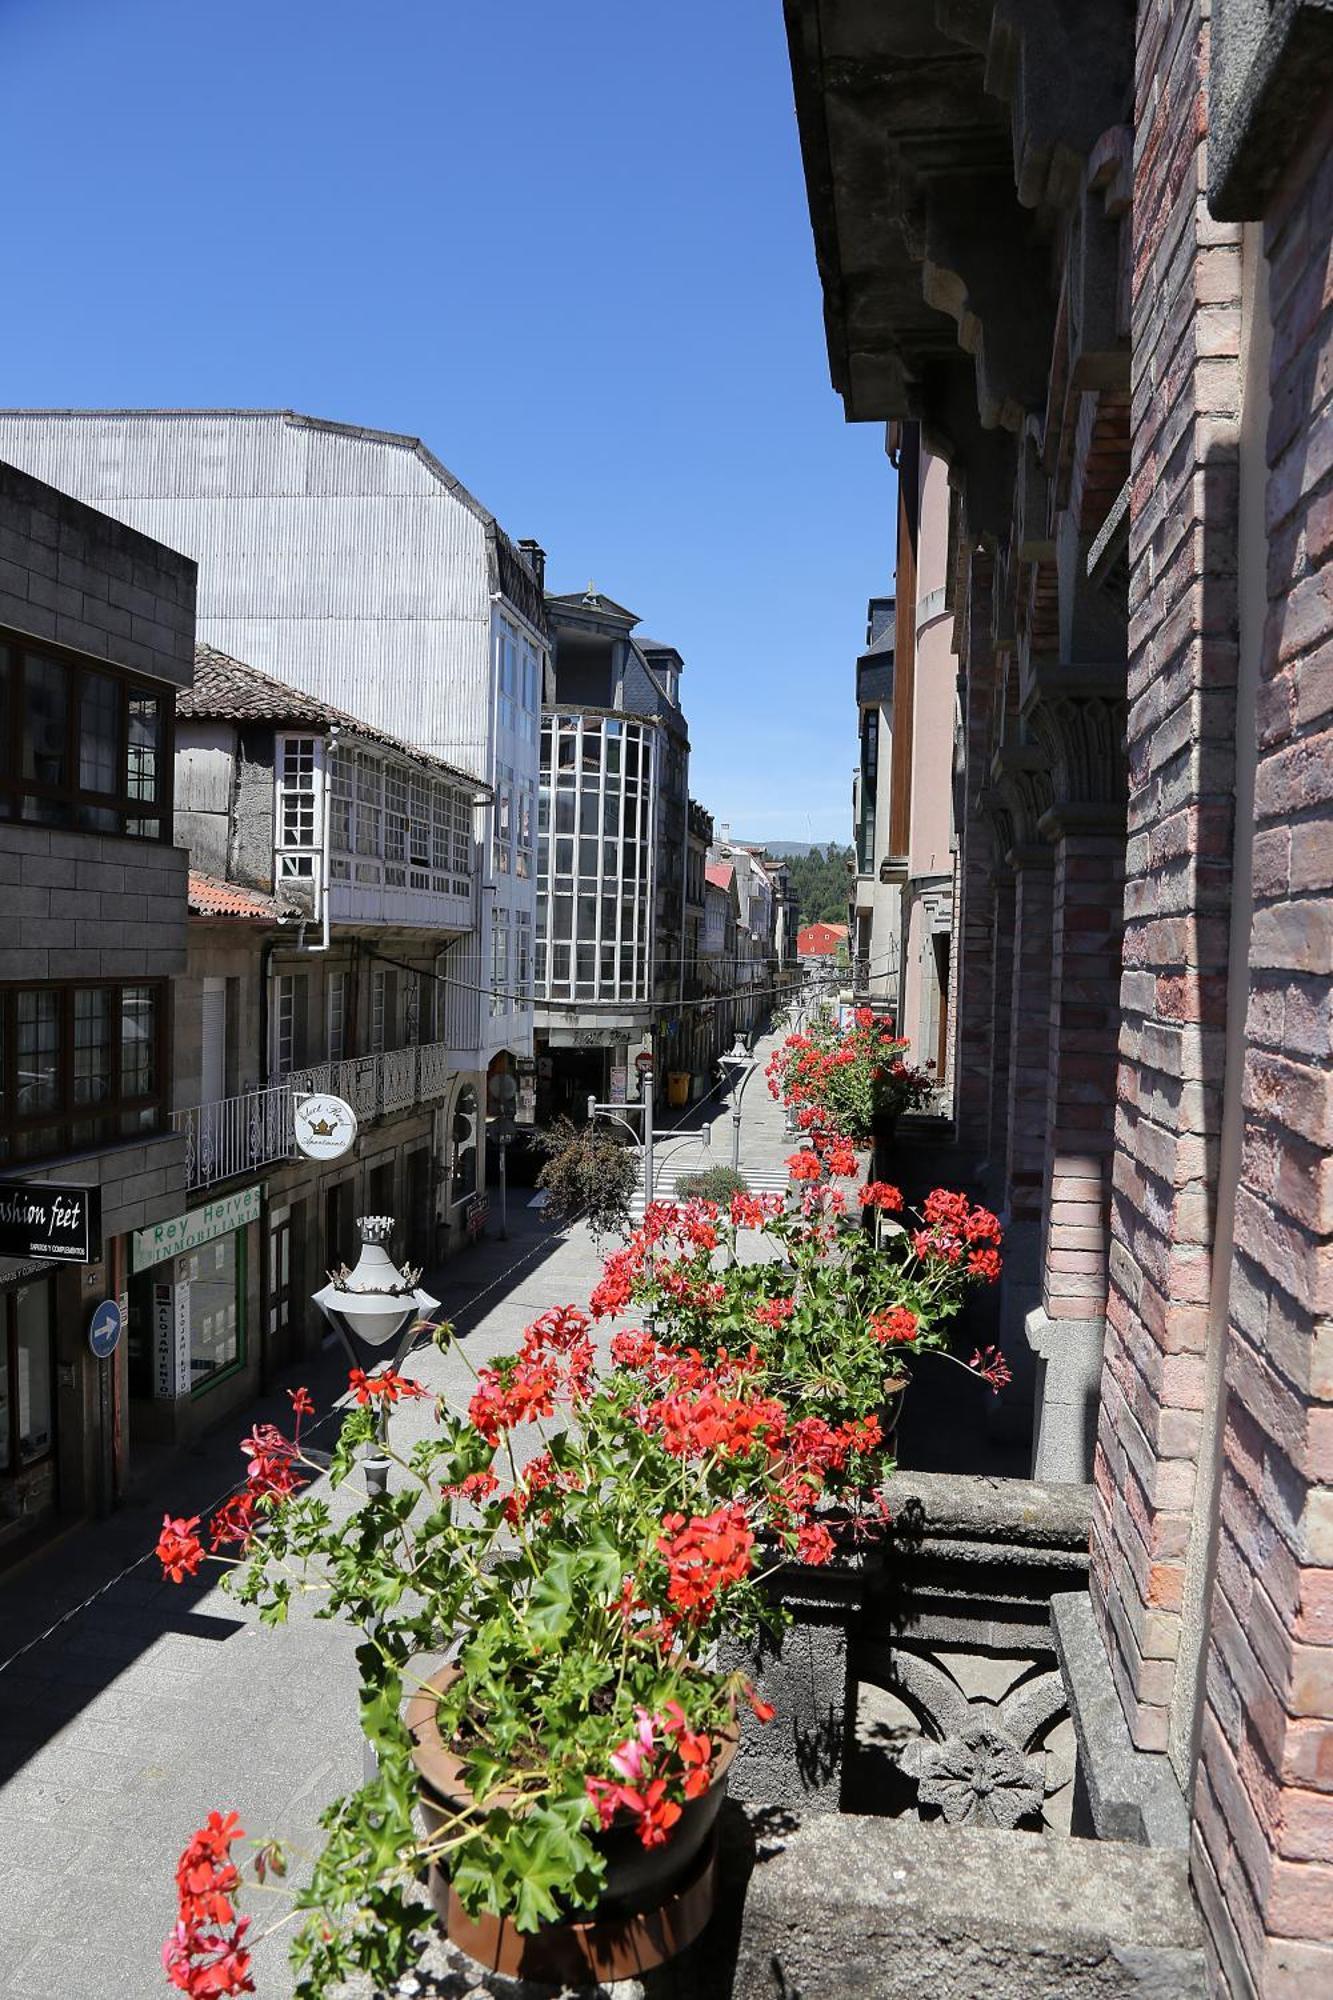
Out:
{"x": 619, "y": 1083}
{"x": 38, "y": 1219}
{"x": 201, "y": 1225}
{"x": 325, "y": 1127}
{"x": 164, "y": 1344}
{"x": 105, "y": 1328}
{"x": 525, "y": 1110}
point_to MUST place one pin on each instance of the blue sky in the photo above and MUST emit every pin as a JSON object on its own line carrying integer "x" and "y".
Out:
{"x": 567, "y": 245}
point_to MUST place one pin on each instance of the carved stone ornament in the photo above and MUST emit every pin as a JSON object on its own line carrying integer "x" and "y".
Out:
{"x": 979, "y": 1778}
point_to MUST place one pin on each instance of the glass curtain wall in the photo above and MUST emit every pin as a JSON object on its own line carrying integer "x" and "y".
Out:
{"x": 596, "y": 814}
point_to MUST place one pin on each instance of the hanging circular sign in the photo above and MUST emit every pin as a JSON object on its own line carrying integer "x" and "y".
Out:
{"x": 105, "y": 1329}
{"x": 325, "y": 1127}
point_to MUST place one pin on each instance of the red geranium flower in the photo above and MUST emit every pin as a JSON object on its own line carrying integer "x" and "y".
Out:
{"x": 881, "y": 1194}
{"x": 179, "y": 1549}
{"x": 895, "y": 1327}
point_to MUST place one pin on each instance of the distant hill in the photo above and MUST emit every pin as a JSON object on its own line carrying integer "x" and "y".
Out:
{"x": 782, "y": 850}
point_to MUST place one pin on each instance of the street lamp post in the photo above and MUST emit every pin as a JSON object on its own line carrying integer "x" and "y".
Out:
{"x": 741, "y": 1066}
{"x": 373, "y": 1304}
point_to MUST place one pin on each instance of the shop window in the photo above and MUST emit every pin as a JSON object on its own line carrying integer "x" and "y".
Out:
{"x": 213, "y": 1278}
{"x": 81, "y": 747}
{"x": 79, "y": 1066}
{"x": 27, "y": 1398}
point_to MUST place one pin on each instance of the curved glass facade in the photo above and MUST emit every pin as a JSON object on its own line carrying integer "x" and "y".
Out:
{"x": 596, "y": 813}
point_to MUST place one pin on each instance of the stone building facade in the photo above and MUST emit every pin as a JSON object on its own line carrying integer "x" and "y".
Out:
{"x": 96, "y": 637}
{"x": 336, "y": 876}
{"x": 1087, "y": 251}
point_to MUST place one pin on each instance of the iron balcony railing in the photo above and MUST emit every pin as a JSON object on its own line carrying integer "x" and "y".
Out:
{"x": 237, "y": 1135}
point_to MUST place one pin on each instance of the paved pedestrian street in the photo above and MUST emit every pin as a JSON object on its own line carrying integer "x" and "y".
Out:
{"x": 129, "y": 1706}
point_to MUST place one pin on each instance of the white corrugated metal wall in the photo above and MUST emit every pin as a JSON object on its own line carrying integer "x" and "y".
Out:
{"x": 336, "y": 562}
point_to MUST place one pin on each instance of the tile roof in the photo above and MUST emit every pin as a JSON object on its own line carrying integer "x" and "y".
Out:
{"x": 817, "y": 937}
{"x": 720, "y": 874}
{"x": 227, "y": 690}
{"x": 208, "y": 897}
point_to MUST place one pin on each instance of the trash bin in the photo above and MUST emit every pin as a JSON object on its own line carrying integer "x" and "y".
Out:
{"x": 678, "y": 1088}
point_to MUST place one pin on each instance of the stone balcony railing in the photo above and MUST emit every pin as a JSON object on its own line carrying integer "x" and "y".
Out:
{"x": 238, "y": 1135}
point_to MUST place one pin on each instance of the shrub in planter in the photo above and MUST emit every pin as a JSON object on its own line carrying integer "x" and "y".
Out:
{"x": 710, "y": 1184}
{"x": 588, "y": 1172}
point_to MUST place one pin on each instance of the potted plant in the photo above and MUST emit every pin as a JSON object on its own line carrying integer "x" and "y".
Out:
{"x": 850, "y": 1081}
{"x": 540, "y": 1593}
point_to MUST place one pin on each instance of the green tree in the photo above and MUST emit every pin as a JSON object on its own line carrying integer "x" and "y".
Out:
{"x": 822, "y": 882}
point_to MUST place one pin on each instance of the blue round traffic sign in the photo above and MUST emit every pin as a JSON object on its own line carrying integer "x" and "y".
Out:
{"x": 105, "y": 1328}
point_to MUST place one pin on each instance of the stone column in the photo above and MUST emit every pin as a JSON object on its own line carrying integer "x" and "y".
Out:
{"x": 972, "y": 1028}
{"x": 1067, "y": 1331}
{"x": 1022, "y": 794}
{"x": 1002, "y": 981}
{"x": 1026, "y": 1111}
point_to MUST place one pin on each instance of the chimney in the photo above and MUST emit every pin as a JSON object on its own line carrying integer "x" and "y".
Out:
{"x": 879, "y": 618}
{"x": 724, "y": 833}
{"x": 536, "y": 556}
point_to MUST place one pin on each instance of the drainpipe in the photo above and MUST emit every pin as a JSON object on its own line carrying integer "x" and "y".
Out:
{"x": 267, "y": 949}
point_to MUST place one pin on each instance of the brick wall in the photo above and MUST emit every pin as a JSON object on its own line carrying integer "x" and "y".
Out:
{"x": 1081, "y": 1074}
{"x": 1263, "y": 1851}
{"x": 1181, "y": 687}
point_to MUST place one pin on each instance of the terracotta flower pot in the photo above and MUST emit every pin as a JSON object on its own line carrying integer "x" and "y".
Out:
{"x": 656, "y": 1901}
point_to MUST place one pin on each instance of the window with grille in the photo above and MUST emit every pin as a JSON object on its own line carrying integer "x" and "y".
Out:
{"x": 500, "y": 1002}
{"x": 337, "y": 1017}
{"x": 342, "y": 812}
{"x": 504, "y": 820}
{"x": 594, "y": 882}
{"x": 460, "y": 844}
{"x": 300, "y": 833}
{"x": 82, "y": 746}
{"x": 395, "y": 826}
{"x": 378, "y": 1009}
{"x": 418, "y": 831}
{"x": 525, "y": 799}
{"x": 79, "y": 1066}
{"x": 369, "y": 812}
{"x": 290, "y": 1022}
{"x": 523, "y": 968}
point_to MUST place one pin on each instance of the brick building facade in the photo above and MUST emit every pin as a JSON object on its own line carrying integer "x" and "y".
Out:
{"x": 1088, "y": 251}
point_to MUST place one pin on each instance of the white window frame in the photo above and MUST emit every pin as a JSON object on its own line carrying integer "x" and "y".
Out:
{"x": 300, "y": 773}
